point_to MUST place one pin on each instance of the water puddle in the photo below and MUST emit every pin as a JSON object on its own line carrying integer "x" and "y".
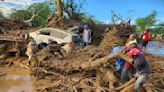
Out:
{"x": 16, "y": 80}
{"x": 155, "y": 48}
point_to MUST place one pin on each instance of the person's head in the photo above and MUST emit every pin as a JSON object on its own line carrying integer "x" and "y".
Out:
{"x": 148, "y": 30}
{"x": 86, "y": 26}
{"x": 132, "y": 37}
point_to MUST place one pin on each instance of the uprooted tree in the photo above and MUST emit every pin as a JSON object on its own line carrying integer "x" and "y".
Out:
{"x": 59, "y": 8}
{"x": 72, "y": 9}
{"x": 36, "y": 14}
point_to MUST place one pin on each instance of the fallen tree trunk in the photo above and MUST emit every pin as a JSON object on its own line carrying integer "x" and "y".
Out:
{"x": 126, "y": 84}
{"x": 68, "y": 66}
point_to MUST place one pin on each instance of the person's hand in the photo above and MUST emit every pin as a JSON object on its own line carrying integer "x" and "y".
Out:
{"x": 136, "y": 75}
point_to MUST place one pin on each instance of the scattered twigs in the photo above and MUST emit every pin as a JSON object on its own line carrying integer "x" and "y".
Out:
{"x": 50, "y": 85}
{"x": 96, "y": 85}
{"x": 126, "y": 84}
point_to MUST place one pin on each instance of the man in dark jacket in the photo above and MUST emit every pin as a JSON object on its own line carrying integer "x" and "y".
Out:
{"x": 142, "y": 67}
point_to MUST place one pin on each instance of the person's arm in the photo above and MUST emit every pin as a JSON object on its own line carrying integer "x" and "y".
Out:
{"x": 89, "y": 39}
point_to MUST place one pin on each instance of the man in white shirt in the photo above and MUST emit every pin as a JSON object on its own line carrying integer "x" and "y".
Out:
{"x": 86, "y": 35}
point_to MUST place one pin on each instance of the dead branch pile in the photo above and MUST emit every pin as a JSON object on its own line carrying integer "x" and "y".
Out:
{"x": 109, "y": 39}
{"x": 12, "y": 24}
{"x": 156, "y": 80}
{"x": 85, "y": 70}
{"x": 60, "y": 22}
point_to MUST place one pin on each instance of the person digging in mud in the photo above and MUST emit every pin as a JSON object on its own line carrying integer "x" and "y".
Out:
{"x": 86, "y": 35}
{"x": 128, "y": 68}
{"x": 142, "y": 67}
{"x": 31, "y": 50}
{"x": 132, "y": 39}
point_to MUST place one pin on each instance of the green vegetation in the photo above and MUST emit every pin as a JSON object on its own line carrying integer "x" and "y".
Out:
{"x": 36, "y": 14}
{"x": 159, "y": 29}
{"x": 146, "y": 22}
{"x": 150, "y": 22}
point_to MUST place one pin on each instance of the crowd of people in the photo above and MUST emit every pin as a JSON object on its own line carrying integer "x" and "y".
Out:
{"x": 139, "y": 68}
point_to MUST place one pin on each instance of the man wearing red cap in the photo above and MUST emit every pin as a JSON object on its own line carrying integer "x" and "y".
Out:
{"x": 141, "y": 65}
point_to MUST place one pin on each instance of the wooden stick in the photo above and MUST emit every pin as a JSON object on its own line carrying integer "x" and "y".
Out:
{"x": 126, "y": 84}
{"x": 96, "y": 85}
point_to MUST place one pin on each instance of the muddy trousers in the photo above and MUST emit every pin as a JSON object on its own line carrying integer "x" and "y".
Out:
{"x": 141, "y": 78}
{"x": 126, "y": 72}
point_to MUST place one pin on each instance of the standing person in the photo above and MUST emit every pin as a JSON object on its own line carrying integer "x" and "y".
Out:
{"x": 86, "y": 35}
{"x": 131, "y": 40}
{"x": 142, "y": 67}
{"x": 145, "y": 38}
{"x": 31, "y": 50}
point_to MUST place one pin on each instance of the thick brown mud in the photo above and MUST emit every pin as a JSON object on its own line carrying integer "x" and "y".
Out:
{"x": 16, "y": 80}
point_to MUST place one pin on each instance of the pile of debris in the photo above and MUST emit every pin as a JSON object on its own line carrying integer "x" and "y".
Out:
{"x": 111, "y": 38}
{"x": 14, "y": 36}
{"x": 61, "y": 22}
{"x": 89, "y": 69}
{"x": 12, "y": 24}
{"x": 85, "y": 70}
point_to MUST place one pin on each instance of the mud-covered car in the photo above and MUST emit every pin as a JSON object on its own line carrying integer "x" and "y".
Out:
{"x": 72, "y": 40}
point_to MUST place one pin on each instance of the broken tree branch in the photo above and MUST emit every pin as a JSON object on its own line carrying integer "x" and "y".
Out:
{"x": 126, "y": 84}
{"x": 33, "y": 16}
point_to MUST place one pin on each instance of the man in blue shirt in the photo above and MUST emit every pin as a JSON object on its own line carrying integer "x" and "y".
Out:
{"x": 119, "y": 63}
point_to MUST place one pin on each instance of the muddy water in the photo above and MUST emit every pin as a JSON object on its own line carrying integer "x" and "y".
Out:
{"x": 16, "y": 80}
{"x": 155, "y": 48}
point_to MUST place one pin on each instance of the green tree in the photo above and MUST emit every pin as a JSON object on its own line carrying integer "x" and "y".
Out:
{"x": 147, "y": 21}
{"x": 159, "y": 28}
{"x": 36, "y": 14}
